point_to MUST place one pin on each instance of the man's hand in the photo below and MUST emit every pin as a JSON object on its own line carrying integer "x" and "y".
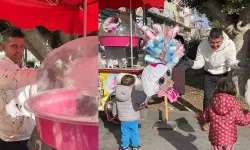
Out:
{"x": 187, "y": 63}
{"x": 243, "y": 65}
{"x": 47, "y": 79}
{"x": 144, "y": 105}
{"x": 240, "y": 66}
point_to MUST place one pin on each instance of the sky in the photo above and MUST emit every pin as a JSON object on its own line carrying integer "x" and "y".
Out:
{"x": 205, "y": 24}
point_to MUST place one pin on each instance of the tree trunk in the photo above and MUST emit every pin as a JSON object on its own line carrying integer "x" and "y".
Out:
{"x": 55, "y": 40}
{"x": 242, "y": 43}
{"x": 33, "y": 50}
{"x": 238, "y": 30}
{"x": 36, "y": 39}
{"x": 64, "y": 37}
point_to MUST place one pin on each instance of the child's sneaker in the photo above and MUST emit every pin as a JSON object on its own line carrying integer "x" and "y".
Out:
{"x": 123, "y": 148}
{"x": 136, "y": 148}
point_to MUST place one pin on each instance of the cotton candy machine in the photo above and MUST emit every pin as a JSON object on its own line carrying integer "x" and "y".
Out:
{"x": 119, "y": 39}
{"x": 120, "y": 46}
{"x": 66, "y": 107}
{"x": 115, "y": 31}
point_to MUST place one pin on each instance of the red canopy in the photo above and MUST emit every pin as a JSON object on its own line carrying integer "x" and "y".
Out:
{"x": 66, "y": 15}
{"x": 115, "y": 4}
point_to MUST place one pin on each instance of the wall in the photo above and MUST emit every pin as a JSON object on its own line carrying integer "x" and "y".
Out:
{"x": 183, "y": 15}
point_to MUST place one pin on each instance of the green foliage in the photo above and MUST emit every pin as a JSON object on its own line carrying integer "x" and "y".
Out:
{"x": 215, "y": 24}
{"x": 3, "y": 25}
{"x": 226, "y": 6}
{"x": 94, "y": 33}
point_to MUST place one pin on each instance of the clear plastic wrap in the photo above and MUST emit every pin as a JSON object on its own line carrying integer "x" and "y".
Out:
{"x": 65, "y": 105}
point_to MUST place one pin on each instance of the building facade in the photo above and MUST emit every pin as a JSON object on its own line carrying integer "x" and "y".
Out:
{"x": 174, "y": 13}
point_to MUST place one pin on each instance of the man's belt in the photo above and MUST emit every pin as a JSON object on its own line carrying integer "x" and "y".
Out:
{"x": 222, "y": 74}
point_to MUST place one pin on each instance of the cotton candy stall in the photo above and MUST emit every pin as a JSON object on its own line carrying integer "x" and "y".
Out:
{"x": 65, "y": 105}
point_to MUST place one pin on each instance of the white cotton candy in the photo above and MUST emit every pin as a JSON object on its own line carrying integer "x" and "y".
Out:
{"x": 247, "y": 92}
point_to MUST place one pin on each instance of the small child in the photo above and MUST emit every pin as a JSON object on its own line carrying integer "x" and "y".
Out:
{"x": 224, "y": 114}
{"x": 127, "y": 106}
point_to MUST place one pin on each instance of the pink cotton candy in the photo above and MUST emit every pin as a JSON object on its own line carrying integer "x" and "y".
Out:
{"x": 111, "y": 83}
{"x": 168, "y": 36}
{"x": 180, "y": 49}
{"x": 150, "y": 34}
{"x": 175, "y": 32}
{"x": 157, "y": 29}
{"x": 179, "y": 54}
{"x": 179, "y": 45}
{"x": 145, "y": 37}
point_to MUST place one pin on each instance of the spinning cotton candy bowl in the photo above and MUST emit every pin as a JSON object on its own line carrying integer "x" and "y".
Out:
{"x": 66, "y": 107}
{"x": 66, "y": 119}
{"x": 120, "y": 36}
{"x": 115, "y": 31}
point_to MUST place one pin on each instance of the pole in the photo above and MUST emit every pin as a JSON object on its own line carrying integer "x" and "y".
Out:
{"x": 85, "y": 11}
{"x": 85, "y": 18}
{"x": 144, "y": 23}
{"x": 131, "y": 36}
{"x": 26, "y": 55}
{"x": 144, "y": 15}
{"x": 166, "y": 108}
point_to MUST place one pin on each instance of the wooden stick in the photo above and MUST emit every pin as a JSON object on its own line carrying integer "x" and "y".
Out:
{"x": 166, "y": 108}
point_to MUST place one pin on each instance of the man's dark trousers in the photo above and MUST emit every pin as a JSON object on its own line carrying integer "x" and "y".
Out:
{"x": 209, "y": 82}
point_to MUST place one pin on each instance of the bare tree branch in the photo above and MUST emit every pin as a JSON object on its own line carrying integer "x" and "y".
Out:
{"x": 64, "y": 37}
{"x": 216, "y": 11}
{"x": 240, "y": 27}
{"x": 244, "y": 15}
{"x": 33, "y": 50}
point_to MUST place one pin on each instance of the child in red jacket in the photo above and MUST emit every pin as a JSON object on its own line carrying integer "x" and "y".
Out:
{"x": 224, "y": 114}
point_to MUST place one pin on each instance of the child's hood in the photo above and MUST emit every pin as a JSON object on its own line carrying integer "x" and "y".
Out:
{"x": 123, "y": 93}
{"x": 223, "y": 103}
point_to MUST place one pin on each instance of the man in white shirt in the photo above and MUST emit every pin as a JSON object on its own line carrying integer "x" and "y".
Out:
{"x": 217, "y": 55}
{"x": 16, "y": 124}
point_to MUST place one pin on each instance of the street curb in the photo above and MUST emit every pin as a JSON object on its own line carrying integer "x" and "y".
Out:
{"x": 156, "y": 114}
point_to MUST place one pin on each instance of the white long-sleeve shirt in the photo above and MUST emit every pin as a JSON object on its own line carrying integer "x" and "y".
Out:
{"x": 16, "y": 123}
{"x": 219, "y": 61}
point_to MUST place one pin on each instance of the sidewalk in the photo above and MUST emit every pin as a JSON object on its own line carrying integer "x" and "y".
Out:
{"x": 188, "y": 135}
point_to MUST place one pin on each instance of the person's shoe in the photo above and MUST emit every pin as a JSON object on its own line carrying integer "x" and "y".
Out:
{"x": 136, "y": 148}
{"x": 206, "y": 127}
{"x": 123, "y": 148}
